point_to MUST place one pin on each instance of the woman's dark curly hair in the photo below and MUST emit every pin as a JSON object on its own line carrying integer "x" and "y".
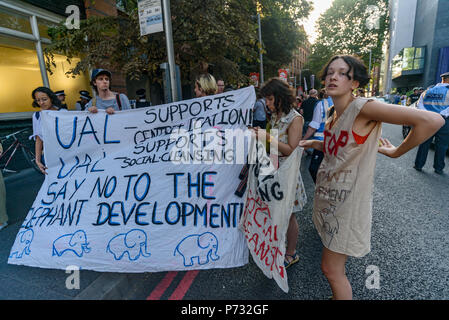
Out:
{"x": 360, "y": 70}
{"x": 281, "y": 91}
{"x": 53, "y": 97}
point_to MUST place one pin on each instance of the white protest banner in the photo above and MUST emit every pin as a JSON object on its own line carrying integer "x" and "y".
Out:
{"x": 269, "y": 203}
{"x": 141, "y": 190}
{"x": 150, "y": 16}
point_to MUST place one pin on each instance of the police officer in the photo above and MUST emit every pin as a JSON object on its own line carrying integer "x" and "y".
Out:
{"x": 61, "y": 96}
{"x": 84, "y": 99}
{"x": 141, "y": 99}
{"x": 435, "y": 99}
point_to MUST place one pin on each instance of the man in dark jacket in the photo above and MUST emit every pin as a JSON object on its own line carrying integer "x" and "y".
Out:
{"x": 307, "y": 108}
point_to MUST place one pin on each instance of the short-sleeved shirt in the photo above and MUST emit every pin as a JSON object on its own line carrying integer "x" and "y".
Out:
{"x": 414, "y": 97}
{"x": 37, "y": 126}
{"x": 436, "y": 99}
{"x": 317, "y": 119}
{"x": 259, "y": 110}
{"x": 105, "y": 104}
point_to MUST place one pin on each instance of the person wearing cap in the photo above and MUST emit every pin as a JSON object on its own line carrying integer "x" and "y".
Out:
{"x": 420, "y": 91}
{"x": 106, "y": 99}
{"x": 141, "y": 99}
{"x": 61, "y": 96}
{"x": 435, "y": 99}
{"x": 84, "y": 99}
{"x": 414, "y": 96}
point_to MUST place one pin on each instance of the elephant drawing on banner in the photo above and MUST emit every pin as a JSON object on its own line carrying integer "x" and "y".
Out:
{"x": 23, "y": 245}
{"x": 200, "y": 246}
{"x": 134, "y": 243}
{"x": 72, "y": 242}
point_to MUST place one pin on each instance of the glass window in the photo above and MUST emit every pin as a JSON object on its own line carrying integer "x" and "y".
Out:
{"x": 14, "y": 21}
{"x": 43, "y": 26}
{"x": 19, "y": 74}
{"x": 408, "y": 57}
{"x": 418, "y": 64}
{"x": 71, "y": 86}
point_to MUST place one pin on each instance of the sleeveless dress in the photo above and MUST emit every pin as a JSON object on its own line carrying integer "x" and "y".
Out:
{"x": 343, "y": 195}
{"x": 282, "y": 126}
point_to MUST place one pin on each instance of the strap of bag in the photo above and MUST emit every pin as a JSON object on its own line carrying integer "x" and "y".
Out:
{"x": 117, "y": 97}
{"x": 94, "y": 102}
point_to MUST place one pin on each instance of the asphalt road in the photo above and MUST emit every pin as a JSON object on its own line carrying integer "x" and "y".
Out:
{"x": 409, "y": 248}
{"x": 410, "y": 243}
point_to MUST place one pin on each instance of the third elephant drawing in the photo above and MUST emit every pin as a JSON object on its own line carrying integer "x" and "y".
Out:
{"x": 133, "y": 245}
{"x": 198, "y": 249}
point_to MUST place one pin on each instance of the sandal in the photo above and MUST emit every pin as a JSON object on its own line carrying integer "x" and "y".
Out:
{"x": 294, "y": 260}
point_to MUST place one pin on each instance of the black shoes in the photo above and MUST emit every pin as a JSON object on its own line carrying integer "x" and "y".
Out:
{"x": 436, "y": 170}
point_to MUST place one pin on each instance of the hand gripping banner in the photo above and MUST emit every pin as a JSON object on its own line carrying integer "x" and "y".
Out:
{"x": 141, "y": 190}
{"x": 269, "y": 204}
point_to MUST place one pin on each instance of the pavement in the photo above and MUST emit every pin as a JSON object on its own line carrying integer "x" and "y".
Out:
{"x": 28, "y": 283}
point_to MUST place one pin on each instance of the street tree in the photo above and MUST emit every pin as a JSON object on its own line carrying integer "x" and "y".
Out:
{"x": 351, "y": 27}
{"x": 218, "y": 35}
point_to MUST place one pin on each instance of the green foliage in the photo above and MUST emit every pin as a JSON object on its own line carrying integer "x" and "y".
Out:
{"x": 221, "y": 34}
{"x": 348, "y": 27}
{"x": 281, "y": 37}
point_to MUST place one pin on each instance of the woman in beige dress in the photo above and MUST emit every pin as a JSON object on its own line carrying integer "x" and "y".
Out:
{"x": 280, "y": 100}
{"x": 343, "y": 195}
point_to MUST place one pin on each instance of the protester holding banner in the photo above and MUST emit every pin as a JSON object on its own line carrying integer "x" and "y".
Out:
{"x": 205, "y": 85}
{"x": 280, "y": 99}
{"x": 45, "y": 99}
{"x": 106, "y": 99}
{"x": 343, "y": 195}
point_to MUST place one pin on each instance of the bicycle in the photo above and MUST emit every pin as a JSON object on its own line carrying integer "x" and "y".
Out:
{"x": 17, "y": 144}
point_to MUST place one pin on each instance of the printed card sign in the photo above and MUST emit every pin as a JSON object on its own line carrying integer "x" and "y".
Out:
{"x": 141, "y": 190}
{"x": 269, "y": 203}
{"x": 150, "y": 16}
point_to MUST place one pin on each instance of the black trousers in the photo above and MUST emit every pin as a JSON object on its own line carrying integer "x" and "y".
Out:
{"x": 261, "y": 124}
{"x": 317, "y": 157}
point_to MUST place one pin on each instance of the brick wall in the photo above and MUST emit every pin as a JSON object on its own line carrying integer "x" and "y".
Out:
{"x": 107, "y": 8}
{"x": 100, "y": 8}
